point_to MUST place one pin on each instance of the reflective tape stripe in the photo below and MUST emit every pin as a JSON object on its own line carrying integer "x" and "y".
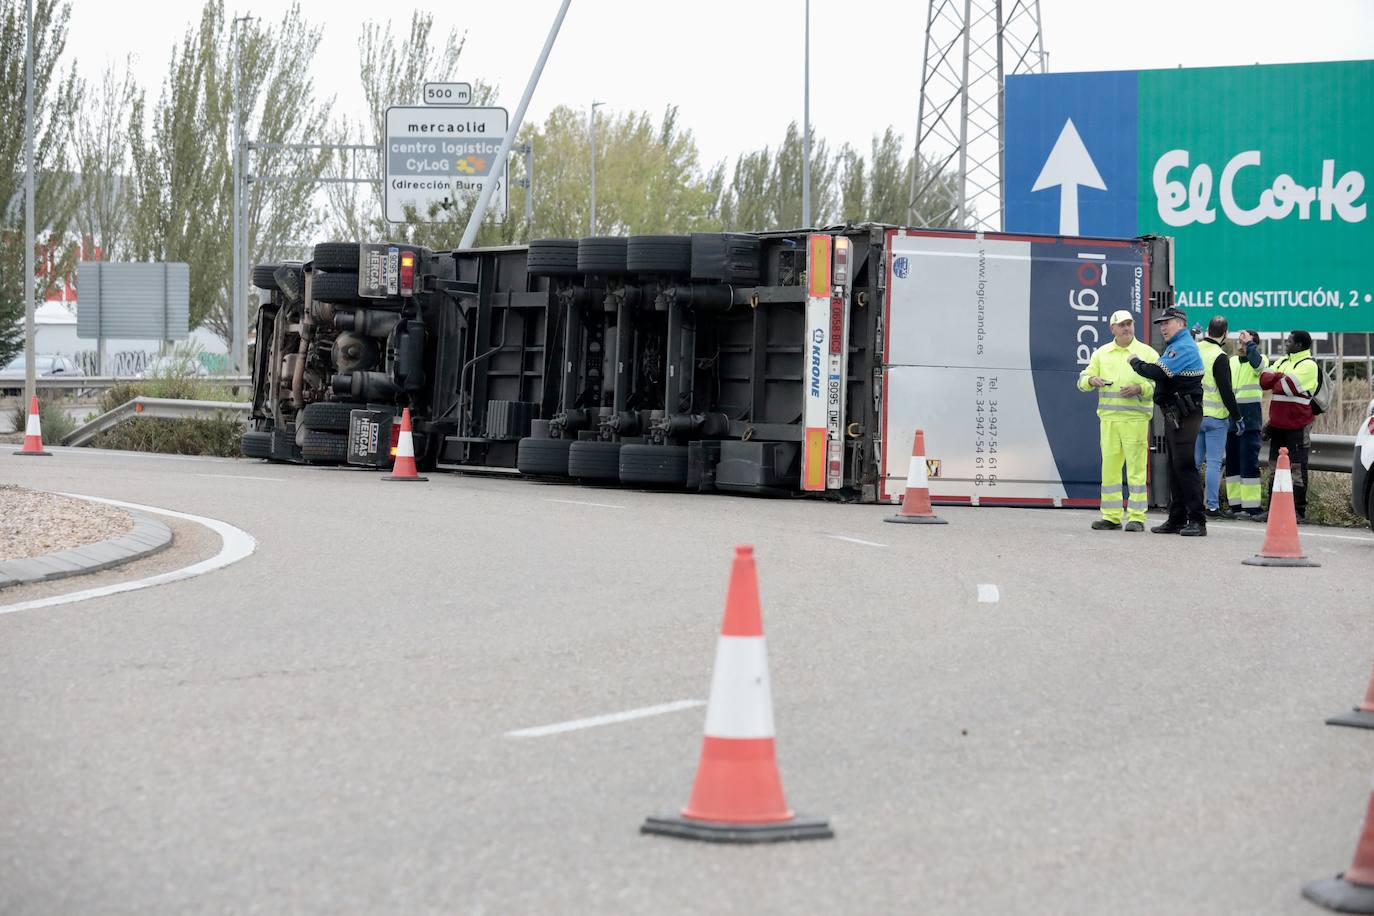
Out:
{"x": 1138, "y": 504}
{"x": 1283, "y": 481}
{"x": 1142, "y": 410}
{"x": 1137, "y": 489}
{"x": 1291, "y": 399}
{"x": 741, "y": 704}
{"x": 1250, "y": 481}
{"x": 916, "y": 473}
{"x": 405, "y": 446}
{"x": 31, "y": 425}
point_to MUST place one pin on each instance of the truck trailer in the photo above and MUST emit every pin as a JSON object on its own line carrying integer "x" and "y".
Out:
{"x": 768, "y": 363}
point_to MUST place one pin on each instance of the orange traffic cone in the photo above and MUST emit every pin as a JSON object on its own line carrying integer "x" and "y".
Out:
{"x": 1361, "y": 716}
{"x": 916, "y": 504}
{"x": 1352, "y": 891}
{"x": 33, "y": 433}
{"x": 1281, "y": 547}
{"x": 404, "y": 468}
{"x": 737, "y": 796}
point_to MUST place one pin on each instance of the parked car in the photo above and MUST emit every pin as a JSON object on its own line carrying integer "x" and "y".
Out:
{"x": 173, "y": 365}
{"x": 1361, "y": 478}
{"x": 44, "y": 366}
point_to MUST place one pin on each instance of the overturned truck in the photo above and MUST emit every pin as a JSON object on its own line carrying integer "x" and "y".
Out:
{"x": 767, "y": 363}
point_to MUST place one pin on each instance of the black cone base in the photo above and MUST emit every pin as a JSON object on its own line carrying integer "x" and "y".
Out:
{"x": 916, "y": 520}
{"x": 405, "y": 479}
{"x": 1356, "y": 718}
{"x": 1340, "y": 895}
{"x": 36, "y": 454}
{"x": 798, "y": 828}
{"x": 1258, "y": 560}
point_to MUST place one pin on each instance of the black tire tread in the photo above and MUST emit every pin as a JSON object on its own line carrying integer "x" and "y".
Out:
{"x": 338, "y": 287}
{"x": 653, "y": 465}
{"x": 659, "y": 254}
{"x": 328, "y": 416}
{"x": 602, "y": 254}
{"x": 256, "y": 443}
{"x": 542, "y": 457}
{"x": 323, "y": 447}
{"x": 263, "y": 279}
{"x": 594, "y": 460}
{"x": 552, "y": 258}
{"x": 341, "y": 257}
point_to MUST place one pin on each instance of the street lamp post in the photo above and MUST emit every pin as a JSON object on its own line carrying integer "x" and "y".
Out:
{"x": 595, "y": 106}
{"x": 806, "y": 123}
{"x": 238, "y": 311}
{"x": 29, "y": 381}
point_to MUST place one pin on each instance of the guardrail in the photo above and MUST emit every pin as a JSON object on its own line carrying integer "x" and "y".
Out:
{"x": 1328, "y": 453}
{"x": 109, "y": 381}
{"x": 174, "y": 408}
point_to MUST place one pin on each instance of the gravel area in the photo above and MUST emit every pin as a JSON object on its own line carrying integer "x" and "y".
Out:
{"x": 33, "y": 523}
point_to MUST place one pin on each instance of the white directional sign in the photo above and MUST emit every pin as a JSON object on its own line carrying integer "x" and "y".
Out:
{"x": 447, "y": 94}
{"x": 436, "y": 157}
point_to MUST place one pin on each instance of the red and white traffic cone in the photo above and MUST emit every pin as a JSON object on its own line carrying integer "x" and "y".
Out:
{"x": 737, "y": 796}
{"x": 1361, "y": 716}
{"x": 404, "y": 468}
{"x": 1281, "y": 546}
{"x": 33, "y": 433}
{"x": 1352, "y": 891}
{"x": 916, "y": 504}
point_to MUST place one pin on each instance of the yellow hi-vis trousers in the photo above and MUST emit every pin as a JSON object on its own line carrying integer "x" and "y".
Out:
{"x": 1124, "y": 442}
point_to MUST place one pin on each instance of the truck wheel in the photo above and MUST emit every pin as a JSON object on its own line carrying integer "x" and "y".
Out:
{"x": 336, "y": 256}
{"x": 654, "y": 465}
{"x": 552, "y": 258}
{"x": 256, "y": 444}
{"x": 338, "y": 288}
{"x": 543, "y": 457}
{"x": 594, "y": 460}
{"x": 324, "y": 448}
{"x": 329, "y": 416}
{"x": 601, "y": 254}
{"x": 263, "y": 279}
{"x": 284, "y": 444}
{"x": 659, "y": 254}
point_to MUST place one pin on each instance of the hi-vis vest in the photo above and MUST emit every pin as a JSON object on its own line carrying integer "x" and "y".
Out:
{"x": 1245, "y": 379}
{"x": 1112, "y": 363}
{"x": 1212, "y": 404}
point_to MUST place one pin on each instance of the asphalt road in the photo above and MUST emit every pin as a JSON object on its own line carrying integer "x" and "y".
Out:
{"x": 1134, "y": 726}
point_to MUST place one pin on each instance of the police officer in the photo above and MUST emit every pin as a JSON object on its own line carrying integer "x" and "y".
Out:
{"x": 1123, "y": 412}
{"x": 1178, "y": 392}
{"x": 1243, "y": 436}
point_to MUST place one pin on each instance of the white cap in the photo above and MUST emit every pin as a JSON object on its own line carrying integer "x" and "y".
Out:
{"x": 1121, "y": 315}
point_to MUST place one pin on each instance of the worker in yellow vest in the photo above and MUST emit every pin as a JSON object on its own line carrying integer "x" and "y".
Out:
{"x": 1218, "y": 407}
{"x": 1123, "y": 411}
{"x": 1243, "y": 435}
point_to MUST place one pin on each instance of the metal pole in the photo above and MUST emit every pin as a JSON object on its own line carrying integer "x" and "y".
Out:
{"x": 1001, "y": 131}
{"x": 592, "y": 133}
{"x": 29, "y": 381}
{"x": 529, "y": 186}
{"x": 237, "y": 290}
{"x": 489, "y": 186}
{"x": 920, "y": 119}
{"x": 963, "y": 125}
{"x": 806, "y": 123}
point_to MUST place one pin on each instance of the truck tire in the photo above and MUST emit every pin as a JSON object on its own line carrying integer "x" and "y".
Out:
{"x": 263, "y": 279}
{"x": 659, "y": 254}
{"x": 341, "y": 257}
{"x": 654, "y": 465}
{"x": 329, "y": 416}
{"x": 730, "y": 257}
{"x": 552, "y": 258}
{"x": 324, "y": 448}
{"x": 337, "y": 288}
{"x": 601, "y": 254}
{"x": 256, "y": 443}
{"x": 543, "y": 457}
{"x": 284, "y": 446}
{"x": 594, "y": 460}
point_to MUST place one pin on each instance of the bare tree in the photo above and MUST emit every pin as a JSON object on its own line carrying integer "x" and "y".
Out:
{"x": 101, "y": 146}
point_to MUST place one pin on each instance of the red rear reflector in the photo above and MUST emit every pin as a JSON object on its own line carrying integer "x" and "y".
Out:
{"x": 395, "y": 436}
{"x": 407, "y": 274}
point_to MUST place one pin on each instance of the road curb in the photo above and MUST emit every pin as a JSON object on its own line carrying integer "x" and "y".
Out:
{"x": 147, "y": 537}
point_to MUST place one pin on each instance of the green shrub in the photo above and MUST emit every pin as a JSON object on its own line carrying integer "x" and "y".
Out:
{"x": 54, "y": 419}
{"x": 218, "y": 437}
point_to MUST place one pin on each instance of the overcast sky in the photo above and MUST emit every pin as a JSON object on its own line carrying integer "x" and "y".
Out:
{"x": 734, "y": 67}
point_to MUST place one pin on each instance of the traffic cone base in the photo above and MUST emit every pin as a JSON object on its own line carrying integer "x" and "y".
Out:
{"x": 916, "y": 520}
{"x": 414, "y": 478}
{"x": 1281, "y": 545}
{"x": 1356, "y": 718}
{"x": 687, "y": 828}
{"x": 1340, "y": 895}
{"x": 38, "y": 454}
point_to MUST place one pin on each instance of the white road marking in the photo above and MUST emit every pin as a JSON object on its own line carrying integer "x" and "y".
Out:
{"x": 1303, "y": 532}
{"x": 239, "y": 477}
{"x": 236, "y": 544}
{"x": 843, "y": 537}
{"x": 581, "y": 502}
{"x": 540, "y": 731}
{"x": 120, "y": 453}
{"x": 987, "y": 594}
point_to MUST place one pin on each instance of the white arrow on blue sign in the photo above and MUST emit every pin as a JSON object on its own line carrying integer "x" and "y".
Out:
{"x": 1067, "y": 167}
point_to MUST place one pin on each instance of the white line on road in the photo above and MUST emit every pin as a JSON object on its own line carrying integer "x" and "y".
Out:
{"x": 540, "y": 731}
{"x": 236, "y": 544}
{"x": 843, "y": 537}
{"x": 987, "y": 594}
{"x": 1303, "y": 532}
{"x": 582, "y": 502}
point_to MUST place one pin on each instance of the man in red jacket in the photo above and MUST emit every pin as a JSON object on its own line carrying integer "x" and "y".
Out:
{"x": 1293, "y": 380}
